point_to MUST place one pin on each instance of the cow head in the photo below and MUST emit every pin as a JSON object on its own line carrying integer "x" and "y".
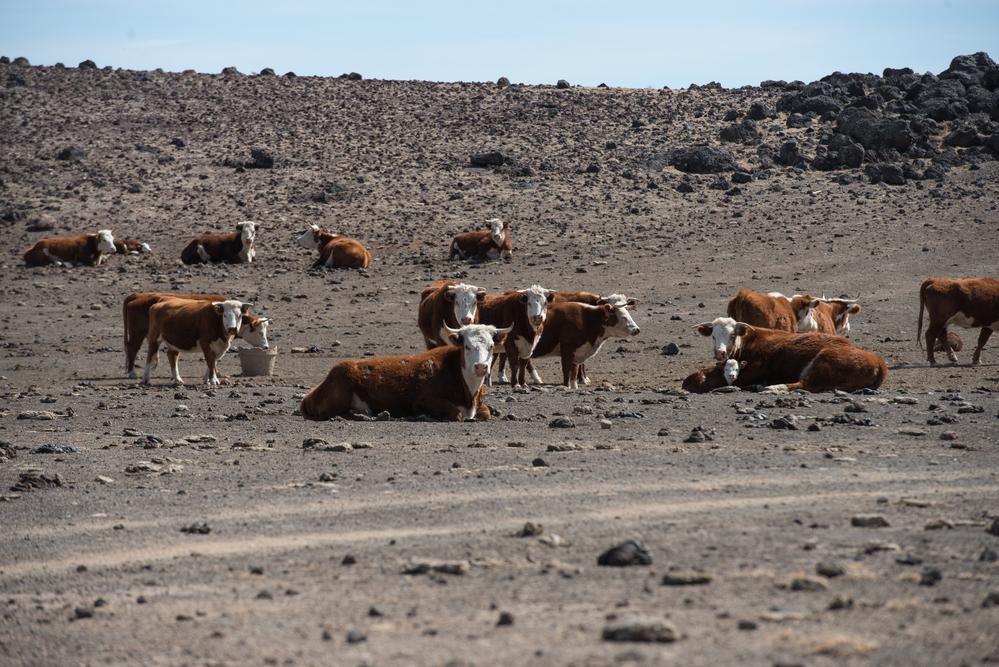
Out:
{"x": 536, "y": 298}
{"x": 310, "y": 239}
{"x": 477, "y": 342}
{"x": 247, "y": 231}
{"x": 730, "y": 370}
{"x": 253, "y": 330}
{"x": 105, "y": 242}
{"x": 495, "y": 227}
{"x": 841, "y": 311}
{"x": 619, "y": 321}
{"x": 724, "y": 333}
{"x": 466, "y": 300}
{"x": 232, "y": 314}
{"x": 803, "y": 306}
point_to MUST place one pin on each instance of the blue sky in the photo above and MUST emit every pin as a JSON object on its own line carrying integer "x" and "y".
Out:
{"x": 635, "y": 44}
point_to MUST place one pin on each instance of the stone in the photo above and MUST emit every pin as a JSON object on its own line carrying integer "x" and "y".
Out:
{"x": 530, "y": 529}
{"x": 562, "y": 422}
{"x": 627, "y": 553}
{"x": 416, "y": 566}
{"x": 73, "y": 153}
{"x": 937, "y": 524}
{"x": 830, "y": 570}
{"x": 702, "y": 159}
{"x": 809, "y": 583}
{"x": 869, "y": 521}
{"x": 640, "y": 630}
{"x": 562, "y": 84}
{"x": 671, "y": 350}
{"x": 681, "y": 578}
{"x": 993, "y": 528}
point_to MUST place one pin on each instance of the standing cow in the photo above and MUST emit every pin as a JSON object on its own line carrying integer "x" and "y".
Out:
{"x": 969, "y": 303}
{"x": 447, "y": 304}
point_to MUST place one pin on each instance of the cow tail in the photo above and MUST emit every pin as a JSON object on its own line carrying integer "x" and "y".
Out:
{"x": 919, "y": 325}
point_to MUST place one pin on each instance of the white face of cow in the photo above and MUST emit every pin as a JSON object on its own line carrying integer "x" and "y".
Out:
{"x": 731, "y": 370}
{"x": 232, "y": 314}
{"x": 477, "y": 342}
{"x": 247, "y": 232}
{"x": 310, "y": 239}
{"x": 105, "y": 242}
{"x": 255, "y": 333}
{"x": 496, "y": 229}
{"x": 466, "y": 301}
{"x": 537, "y": 299}
{"x": 625, "y": 326}
{"x": 806, "y": 317}
{"x": 724, "y": 333}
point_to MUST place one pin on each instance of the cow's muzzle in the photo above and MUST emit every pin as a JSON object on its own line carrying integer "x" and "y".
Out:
{"x": 232, "y": 331}
{"x": 481, "y": 370}
{"x": 466, "y": 320}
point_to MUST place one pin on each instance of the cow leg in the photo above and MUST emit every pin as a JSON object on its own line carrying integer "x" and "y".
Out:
{"x": 583, "y": 377}
{"x": 152, "y": 357}
{"x": 983, "y": 338}
{"x": 936, "y": 331}
{"x": 502, "y": 367}
{"x": 522, "y": 371}
{"x": 535, "y": 378}
{"x": 173, "y": 356}
{"x": 133, "y": 343}
{"x": 569, "y": 369}
{"x": 203, "y": 254}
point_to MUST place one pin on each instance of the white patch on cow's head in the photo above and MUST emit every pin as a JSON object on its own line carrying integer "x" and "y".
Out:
{"x": 730, "y": 369}
{"x": 145, "y": 248}
{"x": 537, "y": 299}
{"x": 465, "y": 299}
{"x": 105, "y": 242}
{"x": 247, "y": 231}
{"x": 254, "y": 332}
{"x": 477, "y": 342}
{"x": 625, "y": 325}
{"x": 776, "y": 295}
{"x": 232, "y": 313}
{"x": 310, "y": 239}
{"x": 806, "y": 316}
{"x": 495, "y": 227}
{"x": 724, "y": 333}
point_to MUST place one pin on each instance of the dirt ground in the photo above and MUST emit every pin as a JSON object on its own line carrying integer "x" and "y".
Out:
{"x": 193, "y": 527}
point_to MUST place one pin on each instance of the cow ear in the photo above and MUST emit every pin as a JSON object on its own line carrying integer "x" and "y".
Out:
{"x": 256, "y": 225}
{"x": 449, "y": 295}
{"x": 632, "y": 304}
{"x": 454, "y": 337}
{"x": 741, "y": 328}
{"x": 854, "y": 309}
{"x": 704, "y": 329}
{"x": 551, "y": 297}
{"x": 480, "y": 295}
{"x": 814, "y": 303}
{"x": 506, "y": 225}
{"x": 219, "y": 308}
{"x": 244, "y": 307}
{"x": 743, "y": 364}
{"x": 523, "y": 298}
{"x": 608, "y": 309}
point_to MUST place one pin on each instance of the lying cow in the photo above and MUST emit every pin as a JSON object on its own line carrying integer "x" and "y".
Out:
{"x": 131, "y": 247}
{"x": 953, "y": 341}
{"x": 335, "y": 250}
{"x": 811, "y": 361}
{"x": 831, "y": 316}
{"x": 772, "y": 311}
{"x": 575, "y": 332}
{"x": 233, "y": 248}
{"x": 135, "y": 315}
{"x": 494, "y": 243}
{"x": 447, "y": 304}
{"x": 525, "y": 310}
{"x": 86, "y": 249}
{"x": 722, "y": 374}
{"x": 969, "y": 303}
{"x": 445, "y": 383}
{"x": 185, "y": 325}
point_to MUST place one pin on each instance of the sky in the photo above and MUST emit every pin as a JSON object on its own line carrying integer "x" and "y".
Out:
{"x": 631, "y": 44}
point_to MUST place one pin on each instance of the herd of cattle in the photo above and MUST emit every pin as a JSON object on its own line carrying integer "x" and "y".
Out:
{"x": 767, "y": 340}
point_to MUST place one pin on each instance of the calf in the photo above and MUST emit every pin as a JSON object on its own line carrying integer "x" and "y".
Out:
{"x": 447, "y": 304}
{"x": 525, "y": 310}
{"x": 772, "y": 311}
{"x": 131, "y": 247}
{"x": 86, "y": 249}
{"x": 335, "y": 250}
{"x": 445, "y": 383}
{"x": 575, "y": 332}
{"x": 233, "y": 248}
{"x": 953, "y": 340}
{"x": 969, "y": 303}
{"x": 491, "y": 244}
{"x": 722, "y": 374}
{"x": 831, "y": 316}
{"x": 810, "y": 361}
{"x": 135, "y": 315}
{"x": 185, "y": 325}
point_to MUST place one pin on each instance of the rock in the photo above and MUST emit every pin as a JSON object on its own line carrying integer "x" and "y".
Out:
{"x": 809, "y": 583}
{"x": 73, "y": 153}
{"x": 937, "y": 524}
{"x": 87, "y": 64}
{"x": 742, "y": 177}
{"x": 416, "y": 566}
{"x": 530, "y": 529}
{"x": 640, "y": 630}
{"x": 745, "y": 132}
{"x": 746, "y": 624}
{"x": 606, "y": 424}
{"x": 262, "y": 159}
{"x": 830, "y": 570}
{"x": 787, "y": 422}
{"x": 993, "y": 528}
{"x": 686, "y": 578}
{"x": 949, "y": 435}
{"x": 792, "y": 156}
{"x": 267, "y": 71}
{"x": 505, "y": 618}
{"x": 562, "y": 84}
{"x": 31, "y": 480}
{"x": 891, "y": 174}
{"x": 56, "y": 449}
{"x": 759, "y": 111}
{"x": 356, "y": 636}
{"x": 502, "y": 82}
{"x": 540, "y": 463}
{"x": 701, "y": 159}
{"x": 671, "y": 350}
{"x": 562, "y": 422}
{"x": 199, "y": 528}
{"x": 627, "y": 553}
{"x": 991, "y": 600}
{"x": 493, "y": 159}
{"x": 85, "y": 612}
{"x": 869, "y": 521}
{"x": 231, "y": 71}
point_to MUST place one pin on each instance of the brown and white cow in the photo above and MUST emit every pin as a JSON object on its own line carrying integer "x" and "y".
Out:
{"x": 445, "y": 383}
{"x": 830, "y": 316}
{"x": 525, "y": 310}
{"x": 772, "y": 311}
{"x": 953, "y": 341}
{"x": 131, "y": 247}
{"x": 233, "y": 248}
{"x": 969, "y": 303}
{"x": 447, "y": 304}
{"x": 808, "y": 361}
{"x": 335, "y": 250}
{"x": 722, "y": 374}
{"x": 186, "y": 325}
{"x": 135, "y": 315}
{"x": 494, "y": 243}
{"x": 575, "y": 332}
{"x": 86, "y": 249}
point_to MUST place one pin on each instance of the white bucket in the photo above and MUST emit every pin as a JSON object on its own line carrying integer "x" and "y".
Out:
{"x": 256, "y": 360}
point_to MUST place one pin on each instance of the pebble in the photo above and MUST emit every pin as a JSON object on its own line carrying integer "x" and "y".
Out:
{"x": 992, "y": 599}
{"x": 640, "y": 630}
{"x": 85, "y": 612}
{"x": 530, "y": 529}
{"x": 746, "y": 624}
{"x": 505, "y": 618}
{"x": 562, "y": 422}
{"x": 937, "y": 524}
{"x": 948, "y": 435}
{"x": 809, "y": 583}
{"x": 631, "y": 552}
{"x": 606, "y": 424}
{"x": 539, "y": 463}
{"x": 830, "y": 570}
{"x": 356, "y": 636}
{"x": 869, "y": 521}
{"x": 993, "y": 528}
{"x": 416, "y": 566}
{"x": 686, "y": 578}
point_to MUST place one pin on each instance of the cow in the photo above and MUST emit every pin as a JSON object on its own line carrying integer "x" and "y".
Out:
{"x": 722, "y": 374}
{"x": 494, "y": 243}
{"x": 772, "y": 311}
{"x": 953, "y": 340}
{"x": 233, "y": 248}
{"x": 830, "y": 316}
{"x": 969, "y": 303}
{"x": 447, "y": 304}
{"x": 335, "y": 250}
{"x": 135, "y": 315}
{"x": 444, "y": 383}
{"x": 575, "y": 332}
{"x": 86, "y": 249}
{"x": 131, "y": 247}
{"x": 525, "y": 310}
{"x": 184, "y": 325}
{"x": 811, "y": 362}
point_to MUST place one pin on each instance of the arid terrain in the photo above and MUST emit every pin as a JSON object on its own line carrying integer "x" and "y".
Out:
{"x": 181, "y": 525}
